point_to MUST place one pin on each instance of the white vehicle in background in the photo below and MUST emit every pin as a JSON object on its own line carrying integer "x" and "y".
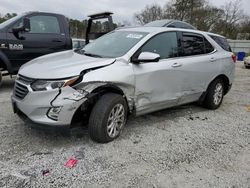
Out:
{"x": 247, "y": 62}
{"x": 127, "y": 71}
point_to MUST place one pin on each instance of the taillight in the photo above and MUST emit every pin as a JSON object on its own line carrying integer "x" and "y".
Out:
{"x": 234, "y": 57}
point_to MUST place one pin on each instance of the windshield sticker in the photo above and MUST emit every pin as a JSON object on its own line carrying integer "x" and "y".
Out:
{"x": 134, "y": 36}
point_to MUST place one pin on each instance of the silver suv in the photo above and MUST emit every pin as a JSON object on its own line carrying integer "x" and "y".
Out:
{"x": 128, "y": 71}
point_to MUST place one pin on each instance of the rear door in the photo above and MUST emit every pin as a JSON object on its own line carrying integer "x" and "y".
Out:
{"x": 46, "y": 36}
{"x": 198, "y": 66}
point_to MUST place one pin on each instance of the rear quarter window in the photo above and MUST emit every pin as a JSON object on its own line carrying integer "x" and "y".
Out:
{"x": 222, "y": 42}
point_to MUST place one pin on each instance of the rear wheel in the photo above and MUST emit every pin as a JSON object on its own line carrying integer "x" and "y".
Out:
{"x": 215, "y": 94}
{"x": 107, "y": 118}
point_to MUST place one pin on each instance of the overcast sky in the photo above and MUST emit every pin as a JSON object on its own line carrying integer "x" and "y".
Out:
{"x": 123, "y": 9}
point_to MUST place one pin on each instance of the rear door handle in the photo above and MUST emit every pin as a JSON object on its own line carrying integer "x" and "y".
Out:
{"x": 212, "y": 59}
{"x": 176, "y": 65}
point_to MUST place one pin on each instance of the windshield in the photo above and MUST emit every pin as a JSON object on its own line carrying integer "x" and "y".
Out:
{"x": 114, "y": 44}
{"x": 10, "y": 21}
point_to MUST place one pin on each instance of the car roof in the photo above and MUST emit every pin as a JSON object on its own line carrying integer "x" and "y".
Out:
{"x": 162, "y": 29}
{"x": 157, "y": 29}
{"x": 161, "y": 22}
{"x": 49, "y": 13}
{"x": 167, "y": 22}
{"x": 214, "y": 34}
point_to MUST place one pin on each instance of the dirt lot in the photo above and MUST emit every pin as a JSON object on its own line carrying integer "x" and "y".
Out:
{"x": 186, "y": 146}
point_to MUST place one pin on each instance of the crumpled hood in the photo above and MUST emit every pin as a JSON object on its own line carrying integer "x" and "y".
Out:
{"x": 61, "y": 65}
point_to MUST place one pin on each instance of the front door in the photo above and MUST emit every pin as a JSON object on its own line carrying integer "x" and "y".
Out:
{"x": 158, "y": 85}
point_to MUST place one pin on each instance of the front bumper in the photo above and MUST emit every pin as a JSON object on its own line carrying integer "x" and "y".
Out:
{"x": 35, "y": 106}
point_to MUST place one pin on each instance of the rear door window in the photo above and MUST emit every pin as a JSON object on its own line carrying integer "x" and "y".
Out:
{"x": 193, "y": 44}
{"x": 222, "y": 42}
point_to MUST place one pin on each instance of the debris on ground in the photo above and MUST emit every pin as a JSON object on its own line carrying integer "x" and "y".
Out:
{"x": 42, "y": 153}
{"x": 71, "y": 162}
{"x": 191, "y": 118}
{"x": 197, "y": 117}
{"x": 248, "y": 108}
{"x": 80, "y": 154}
{"x": 45, "y": 172}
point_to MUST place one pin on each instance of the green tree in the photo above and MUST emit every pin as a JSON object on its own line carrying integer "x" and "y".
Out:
{"x": 228, "y": 20}
{"x": 150, "y": 13}
{"x": 7, "y": 16}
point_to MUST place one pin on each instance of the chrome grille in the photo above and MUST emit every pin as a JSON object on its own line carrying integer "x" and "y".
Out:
{"x": 20, "y": 88}
{"x": 25, "y": 79}
{"x": 20, "y": 91}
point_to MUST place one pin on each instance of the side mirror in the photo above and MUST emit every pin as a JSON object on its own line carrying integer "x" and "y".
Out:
{"x": 147, "y": 57}
{"x": 24, "y": 28}
{"x": 26, "y": 24}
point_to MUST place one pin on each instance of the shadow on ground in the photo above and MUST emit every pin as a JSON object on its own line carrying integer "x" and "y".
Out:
{"x": 81, "y": 131}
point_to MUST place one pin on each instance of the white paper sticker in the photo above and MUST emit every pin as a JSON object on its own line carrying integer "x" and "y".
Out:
{"x": 134, "y": 36}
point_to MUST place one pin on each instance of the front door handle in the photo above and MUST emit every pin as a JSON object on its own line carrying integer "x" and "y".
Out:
{"x": 212, "y": 59}
{"x": 176, "y": 65}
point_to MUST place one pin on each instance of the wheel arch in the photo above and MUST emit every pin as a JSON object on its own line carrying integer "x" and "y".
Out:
{"x": 93, "y": 96}
{"x": 226, "y": 85}
{"x": 225, "y": 80}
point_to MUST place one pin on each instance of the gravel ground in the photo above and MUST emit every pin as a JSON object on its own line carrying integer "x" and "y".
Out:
{"x": 187, "y": 146}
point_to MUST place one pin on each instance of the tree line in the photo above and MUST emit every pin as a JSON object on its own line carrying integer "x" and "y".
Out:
{"x": 228, "y": 20}
{"x": 6, "y": 17}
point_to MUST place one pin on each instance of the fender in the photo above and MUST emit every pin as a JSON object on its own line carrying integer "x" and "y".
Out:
{"x": 96, "y": 87}
{"x": 6, "y": 62}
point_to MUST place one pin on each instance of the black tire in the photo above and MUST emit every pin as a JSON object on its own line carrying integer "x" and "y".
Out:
{"x": 100, "y": 114}
{"x": 210, "y": 101}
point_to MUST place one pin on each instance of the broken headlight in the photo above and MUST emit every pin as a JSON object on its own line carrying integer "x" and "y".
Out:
{"x": 44, "y": 85}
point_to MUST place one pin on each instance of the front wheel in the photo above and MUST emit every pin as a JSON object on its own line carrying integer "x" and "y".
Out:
{"x": 215, "y": 94}
{"x": 107, "y": 118}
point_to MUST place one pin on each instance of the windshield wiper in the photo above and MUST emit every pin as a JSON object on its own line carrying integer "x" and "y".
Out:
{"x": 92, "y": 55}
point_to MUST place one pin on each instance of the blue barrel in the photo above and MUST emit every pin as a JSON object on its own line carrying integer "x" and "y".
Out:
{"x": 241, "y": 56}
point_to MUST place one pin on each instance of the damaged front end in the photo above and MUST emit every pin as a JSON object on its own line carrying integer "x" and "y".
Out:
{"x": 67, "y": 101}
